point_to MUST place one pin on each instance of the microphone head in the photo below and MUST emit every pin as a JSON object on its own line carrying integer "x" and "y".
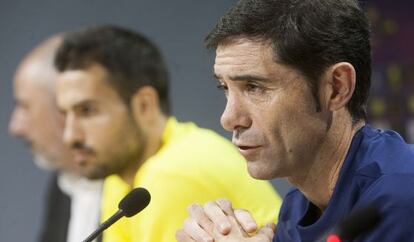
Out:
{"x": 134, "y": 201}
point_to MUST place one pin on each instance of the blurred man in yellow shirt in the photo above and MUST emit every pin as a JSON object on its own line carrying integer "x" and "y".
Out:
{"x": 113, "y": 90}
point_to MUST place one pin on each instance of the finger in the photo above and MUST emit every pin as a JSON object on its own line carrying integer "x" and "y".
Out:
{"x": 219, "y": 218}
{"x": 272, "y": 226}
{"x": 235, "y": 232}
{"x": 193, "y": 229}
{"x": 268, "y": 231}
{"x": 197, "y": 212}
{"x": 246, "y": 220}
{"x": 226, "y": 206}
{"x": 182, "y": 236}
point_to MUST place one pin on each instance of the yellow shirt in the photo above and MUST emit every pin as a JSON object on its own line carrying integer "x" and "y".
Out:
{"x": 193, "y": 165}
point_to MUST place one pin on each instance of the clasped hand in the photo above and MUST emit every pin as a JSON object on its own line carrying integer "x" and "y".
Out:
{"x": 217, "y": 221}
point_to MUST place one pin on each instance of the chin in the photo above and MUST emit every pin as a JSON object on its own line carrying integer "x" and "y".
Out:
{"x": 259, "y": 172}
{"x": 43, "y": 163}
{"x": 92, "y": 175}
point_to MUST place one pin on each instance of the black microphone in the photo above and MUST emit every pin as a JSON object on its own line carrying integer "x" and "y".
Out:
{"x": 358, "y": 222}
{"x": 135, "y": 201}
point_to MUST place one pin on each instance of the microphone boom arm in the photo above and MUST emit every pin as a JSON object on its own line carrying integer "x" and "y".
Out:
{"x": 119, "y": 214}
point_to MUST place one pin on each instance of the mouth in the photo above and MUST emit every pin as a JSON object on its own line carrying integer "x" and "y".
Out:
{"x": 80, "y": 157}
{"x": 29, "y": 145}
{"x": 249, "y": 151}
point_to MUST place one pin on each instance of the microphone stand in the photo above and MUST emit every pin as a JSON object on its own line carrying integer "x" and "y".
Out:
{"x": 119, "y": 214}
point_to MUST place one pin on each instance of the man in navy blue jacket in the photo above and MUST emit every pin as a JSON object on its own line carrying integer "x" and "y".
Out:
{"x": 296, "y": 75}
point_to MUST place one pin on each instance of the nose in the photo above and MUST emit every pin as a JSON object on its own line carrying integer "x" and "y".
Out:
{"x": 235, "y": 115}
{"x": 72, "y": 133}
{"x": 18, "y": 124}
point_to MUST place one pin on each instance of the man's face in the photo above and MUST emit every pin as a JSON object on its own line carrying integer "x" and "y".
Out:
{"x": 99, "y": 128}
{"x": 270, "y": 110}
{"x": 36, "y": 119}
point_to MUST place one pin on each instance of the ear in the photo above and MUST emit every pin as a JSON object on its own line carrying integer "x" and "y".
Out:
{"x": 145, "y": 105}
{"x": 340, "y": 85}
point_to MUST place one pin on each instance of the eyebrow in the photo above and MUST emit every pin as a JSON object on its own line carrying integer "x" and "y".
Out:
{"x": 243, "y": 78}
{"x": 83, "y": 103}
{"x": 76, "y": 105}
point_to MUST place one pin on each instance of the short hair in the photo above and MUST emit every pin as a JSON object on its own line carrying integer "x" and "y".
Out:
{"x": 308, "y": 35}
{"x": 132, "y": 61}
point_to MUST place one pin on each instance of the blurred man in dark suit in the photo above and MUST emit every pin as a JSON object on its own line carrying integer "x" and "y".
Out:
{"x": 72, "y": 206}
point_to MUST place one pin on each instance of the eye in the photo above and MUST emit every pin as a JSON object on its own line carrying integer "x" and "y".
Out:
{"x": 87, "y": 110}
{"x": 253, "y": 87}
{"x": 223, "y": 87}
{"x": 62, "y": 112}
{"x": 22, "y": 105}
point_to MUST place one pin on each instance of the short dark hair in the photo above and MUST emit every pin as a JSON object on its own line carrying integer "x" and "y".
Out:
{"x": 308, "y": 35}
{"x": 131, "y": 60}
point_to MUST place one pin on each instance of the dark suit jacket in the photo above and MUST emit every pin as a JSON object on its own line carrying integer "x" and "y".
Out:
{"x": 57, "y": 214}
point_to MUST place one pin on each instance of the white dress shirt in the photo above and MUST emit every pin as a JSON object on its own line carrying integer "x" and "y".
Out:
{"x": 85, "y": 205}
